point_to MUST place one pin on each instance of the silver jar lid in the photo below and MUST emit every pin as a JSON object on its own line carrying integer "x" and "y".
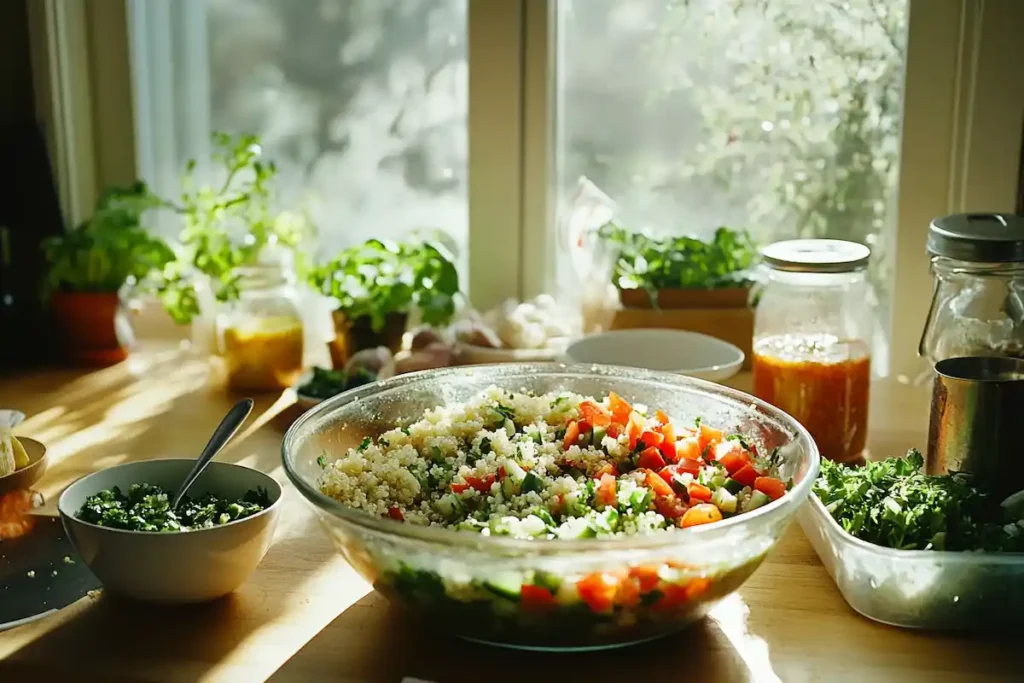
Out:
{"x": 816, "y": 256}
{"x": 982, "y": 237}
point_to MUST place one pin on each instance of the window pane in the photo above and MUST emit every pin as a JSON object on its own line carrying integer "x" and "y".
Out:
{"x": 778, "y": 116}
{"x": 362, "y": 104}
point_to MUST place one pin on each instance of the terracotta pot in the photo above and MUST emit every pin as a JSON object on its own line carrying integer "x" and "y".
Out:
{"x": 356, "y": 335}
{"x": 733, "y": 297}
{"x": 92, "y": 327}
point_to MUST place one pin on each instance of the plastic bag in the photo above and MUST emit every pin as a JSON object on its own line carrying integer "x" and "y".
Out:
{"x": 592, "y": 261}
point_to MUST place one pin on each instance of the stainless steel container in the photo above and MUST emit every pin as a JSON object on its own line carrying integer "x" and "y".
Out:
{"x": 975, "y": 425}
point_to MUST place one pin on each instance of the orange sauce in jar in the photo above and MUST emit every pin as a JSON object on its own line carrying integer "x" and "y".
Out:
{"x": 821, "y": 381}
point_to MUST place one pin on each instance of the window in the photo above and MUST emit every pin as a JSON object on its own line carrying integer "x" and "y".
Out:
{"x": 860, "y": 119}
{"x": 362, "y": 104}
{"x": 781, "y": 117}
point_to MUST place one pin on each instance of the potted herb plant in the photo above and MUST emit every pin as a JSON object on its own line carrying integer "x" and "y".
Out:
{"x": 684, "y": 282}
{"x": 377, "y": 284}
{"x": 88, "y": 267}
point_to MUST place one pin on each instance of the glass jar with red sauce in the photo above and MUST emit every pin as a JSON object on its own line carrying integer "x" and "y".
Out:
{"x": 812, "y": 332}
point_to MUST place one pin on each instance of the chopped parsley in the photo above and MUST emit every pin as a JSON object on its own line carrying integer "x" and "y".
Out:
{"x": 366, "y": 442}
{"x": 148, "y": 508}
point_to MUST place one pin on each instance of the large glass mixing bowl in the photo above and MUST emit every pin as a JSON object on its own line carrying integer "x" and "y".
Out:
{"x": 467, "y": 583}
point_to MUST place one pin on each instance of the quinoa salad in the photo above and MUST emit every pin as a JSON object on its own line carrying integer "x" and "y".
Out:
{"x": 553, "y": 466}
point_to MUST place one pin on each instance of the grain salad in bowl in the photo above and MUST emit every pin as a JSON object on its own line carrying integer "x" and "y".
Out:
{"x": 552, "y": 507}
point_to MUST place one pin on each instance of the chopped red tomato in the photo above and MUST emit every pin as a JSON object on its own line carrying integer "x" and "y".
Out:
{"x": 697, "y": 587}
{"x": 688, "y": 449}
{"x": 396, "y": 514}
{"x": 501, "y": 473}
{"x": 668, "y": 444}
{"x": 658, "y": 485}
{"x": 619, "y": 409}
{"x": 646, "y": 576}
{"x": 535, "y": 598}
{"x": 672, "y": 597}
{"x": 708, "y": 436}
{"x": 670, "y": 507}
{"x": 634, "y": 429}
{"x": 572, "y": 433}
{"x": 459, "y": 488}
{"x": 698, "y": 491}
{"x": 651, "y": 439}
{"x": 746, "y": 475}
{"x": 605, "y": 492}
{"x": 606, "y": 468}
{"x": 771, "y": 487}
{"x": 613, "y": 430}
{"x": 651, "y": 459}
{"x": 598, "y": 591}
{"x": 661, "y": 417}
{"x": 705, "y": 513}
{"x": 684, "y": 466}
{"x": 595, "y": 414}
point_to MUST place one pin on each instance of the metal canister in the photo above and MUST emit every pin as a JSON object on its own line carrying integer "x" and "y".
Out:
{"x": 975, "y": 424}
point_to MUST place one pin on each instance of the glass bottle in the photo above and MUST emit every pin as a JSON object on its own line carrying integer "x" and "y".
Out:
{"x": 261, "y": 333}
{"x": 977, "y": 308}
{"x": 812, "y": 332}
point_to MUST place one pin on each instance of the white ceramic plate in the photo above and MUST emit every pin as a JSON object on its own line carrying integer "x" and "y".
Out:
{"x": 687, "y": 353}
{"x": 469, "y": 354}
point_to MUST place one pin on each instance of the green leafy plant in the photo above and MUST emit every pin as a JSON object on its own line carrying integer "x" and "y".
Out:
{"x": 110, "y": 248}
{"x": 377, "y": 278}
{"x": 226, "y": 227}
{"x": 652, "y": 263}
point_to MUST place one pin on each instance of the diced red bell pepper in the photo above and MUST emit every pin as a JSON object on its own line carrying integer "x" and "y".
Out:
{"x": 708, "y": 436}
{"x": 661, "y": 417}
{"x": 535, "y": 598}
{"x": 658, "y": 485}
{"x": 459, "y": 488}
{"x": 705, "y": 513}
{"x": 598, "y": 590}
{"x": 605, "y": 492}
{"x": 698, "y": 491}
{"x": 771, "y": 487}
{"x": 651, "y": 439}
{"x": 595, "y": 414}
{"x": 634, "y": 429}
{"x": 481, "y": 484}
{"x": 651, "y": 459}
{"x": 572, "y": 434}
{"x": 646, "y": 576}
{"x": 613, "y": 430}
{"x": 733, "y": 459}
{"x": 619, "y": 409}
{"x": 688, "y": 449}
{"x": 396, "y": 514}
{"x": 668, "y": 444}
{"x": 746, "y": 475}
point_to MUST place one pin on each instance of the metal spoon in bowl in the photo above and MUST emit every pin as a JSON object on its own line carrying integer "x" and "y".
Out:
{"x": 225, "y": 430}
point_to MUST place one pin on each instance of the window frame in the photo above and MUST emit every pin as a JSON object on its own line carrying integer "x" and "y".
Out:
{"x": 960, "y": 146}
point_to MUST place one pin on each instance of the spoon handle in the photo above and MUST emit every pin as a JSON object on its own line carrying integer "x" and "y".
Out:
{"x": 225, "y": 430}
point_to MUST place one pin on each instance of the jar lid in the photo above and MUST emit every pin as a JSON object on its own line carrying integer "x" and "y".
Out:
{"x": 816, "y": 256}
{"x": 985, "y": 237}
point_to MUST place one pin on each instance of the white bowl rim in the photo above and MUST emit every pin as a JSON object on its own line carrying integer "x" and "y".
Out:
{"x": 639, "y": 331}
{"x": 81, "y": 480}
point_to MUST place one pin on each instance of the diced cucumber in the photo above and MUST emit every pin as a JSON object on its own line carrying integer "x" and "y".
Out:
{"x": 718, "y": 481}
{"x": 757, "y": 499}
{"x": 576, "y": 528}
{"x": 532, "y": 525}
{"x": 733, "y": 486}
{"x": 505, "y": 584}
{"x": 723, "y": 500}
{"x": 449, "y": 505}
{"x": 510, "y": 428}
{"x": 501, "y": 526}
{"x": 681, "y": 486}
{"x": 546, "y": 580}
{"x": 514, "y": 476}
{"x": 640, "y": 499}
{"x": 599, "y": 434}
{"x": 531, "y": 482}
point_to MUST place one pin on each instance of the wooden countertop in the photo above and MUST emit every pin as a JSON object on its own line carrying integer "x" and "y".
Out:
{"x": 305, "y": 615}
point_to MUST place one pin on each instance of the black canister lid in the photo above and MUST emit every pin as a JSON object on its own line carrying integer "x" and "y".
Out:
{"x": 982, "y": 237}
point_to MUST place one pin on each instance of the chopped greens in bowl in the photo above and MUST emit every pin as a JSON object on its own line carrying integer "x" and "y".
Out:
{"x": 325, "y": 383}
{"x": 148, "y": 508}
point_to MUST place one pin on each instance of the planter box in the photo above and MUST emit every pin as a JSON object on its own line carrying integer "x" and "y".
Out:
{"x": 721, "y": 313}
{"x": 735, "y": 297}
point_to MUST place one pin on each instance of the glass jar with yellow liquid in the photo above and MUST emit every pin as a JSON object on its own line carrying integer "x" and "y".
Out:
{"x": 260, "y": 333}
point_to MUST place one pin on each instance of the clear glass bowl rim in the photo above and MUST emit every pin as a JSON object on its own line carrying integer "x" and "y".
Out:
{"x": 450, "y": 537}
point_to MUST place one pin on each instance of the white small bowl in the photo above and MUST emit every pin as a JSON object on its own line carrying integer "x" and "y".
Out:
{"x": 173, "y": 566}
{"x": 687, "y": 353}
